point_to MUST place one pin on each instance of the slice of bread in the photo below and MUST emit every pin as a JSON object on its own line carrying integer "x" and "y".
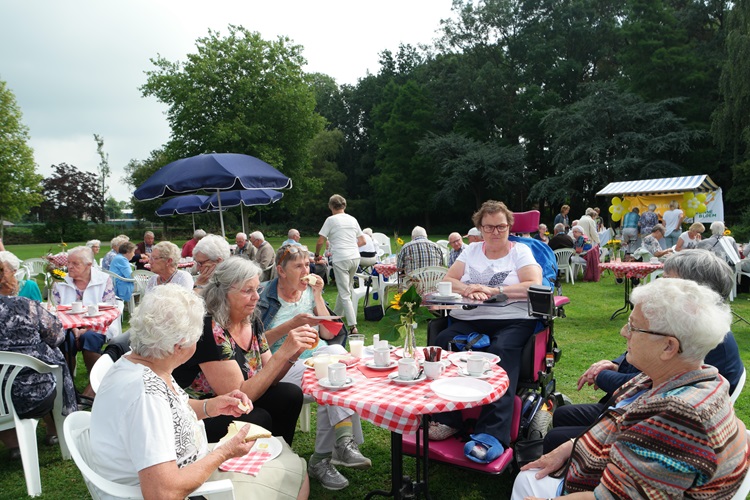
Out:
{"x": 310, "y": 279}
{"x": 255, "y": 432}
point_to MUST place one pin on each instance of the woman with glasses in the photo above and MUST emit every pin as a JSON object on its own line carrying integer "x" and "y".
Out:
{"x": 291, "y": 300}
{"x": 210, "y": 251}
{"x": 233, "y": 353}
{"x": 165, "y": 257}
{"x": 493, "y": 266}
{"x": 670, "y": 431}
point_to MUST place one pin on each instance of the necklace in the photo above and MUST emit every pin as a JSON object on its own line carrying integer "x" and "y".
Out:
{"x": 163, "y": 282}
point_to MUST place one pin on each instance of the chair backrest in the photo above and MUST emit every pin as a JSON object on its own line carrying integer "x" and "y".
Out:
{"x": 525, "y": 222}
{"x": 742, "y": 493}
{"x": 141, "y": 277}
{"x": 383, "y": 241}
{"x": 100, "y": 368}
{"x": 563, "y": 256}
{"x": 22, "y": 273}
{"x": 426, "y": 279}
{"x": 35, "y": 266}
{"x": 738, "y": 389}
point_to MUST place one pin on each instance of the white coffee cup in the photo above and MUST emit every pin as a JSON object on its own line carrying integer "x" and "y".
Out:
{"x": 477, "y": 365}
{"x": 76, "y": 307}
{"x": 382, "y": 356}
{"x": 93, "y": 310}
{"x": 320, "y": 363}
{"x": 445, "y": 288}
{"x": 383, "y": 344}
{"x": 337, "y": 374}
{"x": 654, "y": 260}
{"x": 433, "y": 369}
{"x": 407, "y": 369}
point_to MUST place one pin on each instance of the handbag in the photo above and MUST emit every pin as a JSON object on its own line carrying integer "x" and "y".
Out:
{"x": 471, "y": 341}
{"x": 372, "y": 313}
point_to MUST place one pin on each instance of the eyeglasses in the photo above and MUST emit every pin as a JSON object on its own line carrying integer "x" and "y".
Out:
{"x": 291, "y": 250}
{"x": 632, "y": 329}
{"x": 201, "y": 262}
{"x": 249, "y": 291}
{"x": 500, "y": 228}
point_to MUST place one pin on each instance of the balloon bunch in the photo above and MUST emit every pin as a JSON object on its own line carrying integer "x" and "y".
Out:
{"x": 619, "y": 208}
{"x": 694, "y": 204}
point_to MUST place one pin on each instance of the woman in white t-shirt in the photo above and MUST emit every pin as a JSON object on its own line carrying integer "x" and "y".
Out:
{"x": 147, "y": 432}
{"x": 343, "y": 232}
{"x": 494, "y": 266}
{"x": 672, "y": 224}
{"x": 690, "y": 238}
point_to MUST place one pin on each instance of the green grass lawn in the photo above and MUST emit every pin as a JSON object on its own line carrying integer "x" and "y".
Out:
{"x": 585, "y": 335}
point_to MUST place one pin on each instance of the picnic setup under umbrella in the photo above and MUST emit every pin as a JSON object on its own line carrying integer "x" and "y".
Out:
{"x": 212, "y": 172}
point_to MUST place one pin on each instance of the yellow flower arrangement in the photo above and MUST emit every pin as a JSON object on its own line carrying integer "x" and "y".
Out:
{"x": 406, "y": 311}
{"x": 59, "y": 274}
{"x": 727, "y": 232}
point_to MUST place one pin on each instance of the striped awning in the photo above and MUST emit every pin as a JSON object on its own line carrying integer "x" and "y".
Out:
{"x": 669, "y": 185}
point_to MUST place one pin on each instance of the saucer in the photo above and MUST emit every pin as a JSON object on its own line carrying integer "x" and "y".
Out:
{"x": 325, "y": 383}
{"x": 87, "y": 315}
{"x": 79, "y": 312}
{"x": 391, "y": 364}
{"x": 394, "y": 378}
{"x": 451, "y": 296}
{"x": 485, "y": 375}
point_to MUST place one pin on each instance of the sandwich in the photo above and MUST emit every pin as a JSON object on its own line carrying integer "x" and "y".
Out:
{"x": 310, "y": 279}
{"x": 255, "y": 432}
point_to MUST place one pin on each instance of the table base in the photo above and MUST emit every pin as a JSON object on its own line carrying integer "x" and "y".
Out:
{"x": 628, "y": 305}
{"x": 402, "y": 486}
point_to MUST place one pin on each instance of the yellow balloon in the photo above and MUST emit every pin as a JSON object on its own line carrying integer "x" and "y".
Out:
{"x": 701, "y": 208}
{"x": 687, "y": 195}
{"x": 689, "y": 212}
{"x": 701, "y": 197}
{"x": 616, "y": 200}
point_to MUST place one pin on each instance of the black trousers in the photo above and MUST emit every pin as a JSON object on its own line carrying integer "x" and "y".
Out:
{"x": 277, "y": 410}
{"x": 570, "y": 421}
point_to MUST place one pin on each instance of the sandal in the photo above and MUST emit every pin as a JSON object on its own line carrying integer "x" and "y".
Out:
{"x": 353, "y": 331}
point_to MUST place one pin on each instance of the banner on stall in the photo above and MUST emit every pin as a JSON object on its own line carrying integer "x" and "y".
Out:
{"x": 714, "y": 204}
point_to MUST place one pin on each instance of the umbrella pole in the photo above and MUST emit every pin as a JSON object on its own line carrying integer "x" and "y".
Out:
{"x": 221, "y": 214}
{"x": 242, "y": 215}
{"x": 193, "y": 222}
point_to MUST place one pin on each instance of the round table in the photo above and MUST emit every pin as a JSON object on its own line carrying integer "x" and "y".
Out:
{"x": 629, "y": 271}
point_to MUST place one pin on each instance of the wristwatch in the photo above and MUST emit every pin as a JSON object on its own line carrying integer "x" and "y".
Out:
{"x": 500, "y": 288}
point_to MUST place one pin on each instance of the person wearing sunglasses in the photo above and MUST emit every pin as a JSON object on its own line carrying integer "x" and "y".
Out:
{"x": 209, "y": 252}
{"x": 671, "y": 430}
{"x": 485, "y": 269}
{"x": 291, "y": 300}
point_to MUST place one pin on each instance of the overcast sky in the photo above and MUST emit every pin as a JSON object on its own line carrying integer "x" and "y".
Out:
{"x": 75, "y": 66}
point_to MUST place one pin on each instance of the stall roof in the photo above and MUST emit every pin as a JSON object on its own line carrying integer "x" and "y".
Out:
{"x": 668, "y": 185}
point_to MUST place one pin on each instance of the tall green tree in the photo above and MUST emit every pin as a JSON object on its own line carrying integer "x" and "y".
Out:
{"x": 103, "y": 168}
{"x": 136, "y": 173}
{"x": 20, "y": 185}
{"x": 240, "y": 93}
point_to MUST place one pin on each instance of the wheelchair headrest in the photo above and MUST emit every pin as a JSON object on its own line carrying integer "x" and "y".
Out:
{"x": 525, "y": 222}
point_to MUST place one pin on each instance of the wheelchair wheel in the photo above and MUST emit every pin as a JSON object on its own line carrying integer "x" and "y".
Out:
{"x": 540, "y": 425}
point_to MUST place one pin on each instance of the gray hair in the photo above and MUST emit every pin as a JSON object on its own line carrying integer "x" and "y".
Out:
{"x": 658, "y": 227}
{"x": 292, "y": 233}
{"x": 591, "y": 212}
{"x": 234, "y": 271}
{"x": 171, "y": 316}
{"x": 94, "y": 243}
{"x": 84, "y": 252}
{"x": 651, "y": 207}
{"x": 10, "y": 259}
{"x": 337, "y": 202}
{"x": 579, "y": 229}
{"x": 418, "y": 231}
{"x": 559, "y": 227}
{"x": 367, "y": 231}
{"x": 241, "y": 235}
{"x": 214, "y": 247}
{"x": 199, "y": 233}
{"x": 717, "y": 228}
{"x": 693, "y": 313}
{"x": 168, "y": 250}
{"x": 704, "y": 267}
{"x": 148, "y": 233}
{"x": 117, "y": 241}
{"x": 257, "y": 235}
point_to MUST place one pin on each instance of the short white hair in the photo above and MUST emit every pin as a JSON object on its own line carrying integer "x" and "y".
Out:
{"x": 10, "y": 259}
{"x": 85, "y": 254}
{"x": 367, "y": 231}
{"x": 214, "y": 247}
{"x": 418, "y": 231}
{"x": 257, "y": 235}
{"x": 199, "y": 233}
{"x": 171, "y": 316}
{"x": 168, "y": 250}
{"x": 292, "y": 233}
{"x": 117, "y": 241}
{"x": 591, "y": 212}
{"x": 241, "y": 235}
{"x": 717, "y": 228}
{"x": 94, "y": 243}
{"x": 693, "y": 313}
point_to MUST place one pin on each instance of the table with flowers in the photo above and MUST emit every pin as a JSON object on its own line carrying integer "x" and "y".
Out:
{"x": 628, "y": 271}
{"x": 99, "y": 323}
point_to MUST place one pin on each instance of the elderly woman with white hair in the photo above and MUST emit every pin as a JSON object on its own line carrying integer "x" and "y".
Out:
{"x": 115, "y": 246}
{"x": 165, "y": 256}
{"x": 95, "y": 246}
{"x": 23, "y": 288}
{"x": 368, "y": 253}
{"x": 670, "y": 431}
{"x": 139, "y": 402}
{"x": 721, "y": 245}
{"x": 233, "y": 353}
{"x": 210, "y": 251}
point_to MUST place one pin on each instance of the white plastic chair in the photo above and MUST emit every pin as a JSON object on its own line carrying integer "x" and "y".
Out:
{"x": 99, "y": 370}
{"x": 141, "y": 277}
{"x": 11, "y": 363}
{"x": 36, "y": 266}
{"x": 76, "y": 430}
{"x": 742, "y": 493}
{"x": 738, "y": 389}
{"x": 563, "y": 263}
{"x": 360, "y": 279}
{"x": 22, "y": 273}
{"x": 425, "y": 279}
{"x": 383, "y": 241}
{"x": 446, "y": 249}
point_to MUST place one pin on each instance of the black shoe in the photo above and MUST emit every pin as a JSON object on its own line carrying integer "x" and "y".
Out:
{"x": 15, "y": 454}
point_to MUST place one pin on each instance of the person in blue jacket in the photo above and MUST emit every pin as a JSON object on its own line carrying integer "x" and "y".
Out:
{"x": 121, "y": 266}
{"x": 701, "y": 266}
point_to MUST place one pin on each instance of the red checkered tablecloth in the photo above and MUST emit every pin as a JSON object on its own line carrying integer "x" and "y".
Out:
{"x": 386, "y": 269}
{"x": 246, "y": 464}
{"x": 398, "y": 408}
{"x": 97, "y": 323}
{"x": 59, "y": 260}
{"x": 630, "y": 269}
{"x": 181, "y": 265}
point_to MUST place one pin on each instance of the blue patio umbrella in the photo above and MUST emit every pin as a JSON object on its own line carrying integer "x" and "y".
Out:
{"x": 182, "y": 205}
{"x": 247, "y": 198}
{"x": 211, "y": 172}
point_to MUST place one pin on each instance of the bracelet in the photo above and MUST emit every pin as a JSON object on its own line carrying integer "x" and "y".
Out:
{"x": 292, "y": 361}
{"x": 204, "y": 409}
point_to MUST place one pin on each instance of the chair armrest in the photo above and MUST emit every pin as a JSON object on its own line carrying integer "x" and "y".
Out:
{"x": 218, "y": 490}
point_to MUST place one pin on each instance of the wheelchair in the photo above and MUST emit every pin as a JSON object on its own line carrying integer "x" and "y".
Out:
{"x": 535, "y": 398}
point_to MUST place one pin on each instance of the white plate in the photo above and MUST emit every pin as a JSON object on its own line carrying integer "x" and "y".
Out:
{"x": 452, "y": 296}
{"x": 394, "y": 378}
{"x": 459, "y": 358}
{"x": 270, "y": 445}
{"x": 308, "y": 362}
{"x": 391, "y": 364}
{"x": 461, "y": 389}
{"x": 326, "y": 384}
{"x": 87, "y": 315}
{"x": 70, "y": 311}
{"x": 483, "y": 376}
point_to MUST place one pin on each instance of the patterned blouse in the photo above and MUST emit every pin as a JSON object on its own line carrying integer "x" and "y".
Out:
{"x": 217, "y": 344}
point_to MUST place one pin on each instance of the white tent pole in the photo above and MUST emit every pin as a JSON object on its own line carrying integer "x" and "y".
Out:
{"x": 221, "y": 215}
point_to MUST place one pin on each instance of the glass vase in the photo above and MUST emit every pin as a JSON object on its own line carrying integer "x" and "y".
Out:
{"x": 410, "y": 341}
